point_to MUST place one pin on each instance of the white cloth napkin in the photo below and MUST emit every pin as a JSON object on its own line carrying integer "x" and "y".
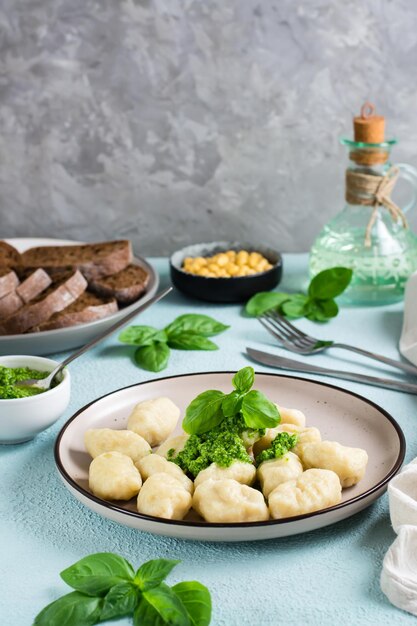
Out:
{"x": 399, "y": 568}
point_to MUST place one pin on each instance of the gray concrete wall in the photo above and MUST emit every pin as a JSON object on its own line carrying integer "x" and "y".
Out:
{"x": 171, "y": 122}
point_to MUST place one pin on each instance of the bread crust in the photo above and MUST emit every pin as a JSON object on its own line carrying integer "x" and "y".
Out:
{"x": 126, "y": 286}
{"x": 94, "y": 260}
{"x": 8, "y": 281}
{"x": 58, "y": 296}
{"x": 87, "y": 308}
{"x": 33, "y": 285}
{"x": 8, "y": 254}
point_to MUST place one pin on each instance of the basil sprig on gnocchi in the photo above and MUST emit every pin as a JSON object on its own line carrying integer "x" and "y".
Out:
{"x": 211, "y": 407}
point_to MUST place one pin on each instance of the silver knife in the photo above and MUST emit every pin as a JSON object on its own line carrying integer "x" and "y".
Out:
{"x": 297, "y": 366}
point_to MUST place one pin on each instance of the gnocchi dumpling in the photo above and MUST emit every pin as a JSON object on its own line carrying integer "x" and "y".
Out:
{"x": 226, "y": 501}
{"x": 154, "y": 420}
{"x": 177, "y": 444}
{"x": 99, "y": 440}
{"x": 244, "y": 473}
{"x": 276, "y": 471}
{"x": 306, "y": 435}
{"x": 313, "y": 490}
{"x": 348, "y": 463}
{"x": 291, "y": 416}
{"x": 113, "y": 476}
{"x": 162, "y": 495}
{"x": 155, "y": 464}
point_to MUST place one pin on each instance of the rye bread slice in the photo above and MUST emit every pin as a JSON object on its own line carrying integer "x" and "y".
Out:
{"x": 126, "y": 286}
{"x": 8, "y": 281}
{"x": 33, "y": 285}
{"x": 8, "y": 254}
{"x": 9, "y": 304}
{"x": 94, "y": 260}
{"x": 87, "y": 308}
{"x": 58, "y": 296}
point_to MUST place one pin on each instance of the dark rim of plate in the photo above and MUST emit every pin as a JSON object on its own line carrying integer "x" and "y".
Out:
{"x": 220, "y": 246}
{"x": 286, "y": 520}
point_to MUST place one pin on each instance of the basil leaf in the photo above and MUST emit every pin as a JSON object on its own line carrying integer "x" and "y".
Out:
{"x": 152, "y": 573}
{"x": 197, "y": 601}
{"x": 263, "y": 301}
{"x": 194, "y": 322}
{"x": 243, "y": 379}
{"x": 258, "y": 411}
{"x": 204, "y": 412}
{"x": 97, "y": 573}
{"x": 120, "y": 600}
{"x": 330, "y": 283}
{"x": 153, "y": 358}
{"x": 146, "y": 615}
{"x": 141, "y": 335}
{"x": 322, "y": 310}
{"x": 189, "y": 341}
{"x": 74, "y": 609}
{"x": 167, "y": 604}
{"x": 295, "y": 306}
{"x": 231, "y": 403}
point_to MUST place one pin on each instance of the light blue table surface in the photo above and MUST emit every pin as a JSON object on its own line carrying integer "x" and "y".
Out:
{"x": 326, "y": 577}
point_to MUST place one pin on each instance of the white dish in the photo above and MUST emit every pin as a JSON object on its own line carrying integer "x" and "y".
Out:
{"x": 21, "y": 419}
{"x": 339, "y": 414}
{"x": 58, "y": 340}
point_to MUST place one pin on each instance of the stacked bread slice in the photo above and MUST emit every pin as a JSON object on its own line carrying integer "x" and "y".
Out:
{"x": 52, "y": 287}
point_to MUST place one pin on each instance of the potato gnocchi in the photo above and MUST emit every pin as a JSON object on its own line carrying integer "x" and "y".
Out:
{"x": 136, "y": 462}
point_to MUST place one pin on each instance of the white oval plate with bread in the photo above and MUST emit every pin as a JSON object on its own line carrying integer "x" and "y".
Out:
{"x": 339, "y": 414}
{"x": 70, "y": 337}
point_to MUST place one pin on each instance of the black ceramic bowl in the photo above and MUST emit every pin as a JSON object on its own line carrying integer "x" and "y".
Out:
{"x": 233, "y": 289}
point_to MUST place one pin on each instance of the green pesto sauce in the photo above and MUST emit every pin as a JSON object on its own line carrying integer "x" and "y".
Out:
{"x": 11, "y": 375}
{"x": 221, "y": 445}
{"x": 282, "y": 444}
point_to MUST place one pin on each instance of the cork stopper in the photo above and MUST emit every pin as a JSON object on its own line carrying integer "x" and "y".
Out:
{"x": 368, "y": 127}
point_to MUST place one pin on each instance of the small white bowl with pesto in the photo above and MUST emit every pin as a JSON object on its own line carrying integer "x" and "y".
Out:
{"x": 25, "y": 412}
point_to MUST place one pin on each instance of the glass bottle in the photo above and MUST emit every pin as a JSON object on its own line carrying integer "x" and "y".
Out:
{"x": 381, "y": 265}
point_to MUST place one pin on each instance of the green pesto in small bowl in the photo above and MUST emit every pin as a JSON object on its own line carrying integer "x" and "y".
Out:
{"x": 11, "y": 375}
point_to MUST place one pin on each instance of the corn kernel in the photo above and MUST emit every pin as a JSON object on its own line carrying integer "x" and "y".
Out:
{"x": 231, "y": 254}
{"x": 222, "y": 260}
{"x": 242, "y": 258}
{"x": 232, "y": 269}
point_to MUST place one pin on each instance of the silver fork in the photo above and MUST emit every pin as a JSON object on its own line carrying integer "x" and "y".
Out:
{"x": 295, "y": 340}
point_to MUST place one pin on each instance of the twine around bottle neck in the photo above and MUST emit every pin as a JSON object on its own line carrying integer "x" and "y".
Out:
{"x": 373, "y": 190}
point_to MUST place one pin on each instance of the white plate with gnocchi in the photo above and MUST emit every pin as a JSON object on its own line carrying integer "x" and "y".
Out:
{"x": 116, "y": 454}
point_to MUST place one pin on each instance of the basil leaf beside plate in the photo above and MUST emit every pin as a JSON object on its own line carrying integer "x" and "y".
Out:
{"x": 167, "y": 605}
{"x": 97, "y": 573}
{"x": 330, "y": 283}
{"x": 142, "y": 335}
{"x": 263, "y": 301}
{"x": 121, "y": 600}
{"x": 189, "y": 341}
{"x": 197, "y": 602}
{"x": 196, "y": 323}
{"x": 153, "y": 357}
{"x": 152, "y": 573}
{"x": 74, "y": 609}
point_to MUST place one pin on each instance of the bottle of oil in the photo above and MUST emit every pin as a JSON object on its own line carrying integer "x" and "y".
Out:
{"x": 371, "y": 234}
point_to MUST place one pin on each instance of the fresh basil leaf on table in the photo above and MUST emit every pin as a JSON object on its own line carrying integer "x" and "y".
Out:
{"x": 318, "y": 305}
{"x": 142, "y": 335}
{"x": 97, "y": 573}
{"x": 121, "y": 600}
{"x": 196, "y": 600}
{"x": 153, "y": 357}
{"x": 187, "y": 332}
{"x": 152, "y": 573}
{"x": 145, "y": 595}
{"x": 188, "y": 341}
{"x": 74, "y": 609}
{"x": 196, "y": 323}
{"x": 330, "y": 283}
